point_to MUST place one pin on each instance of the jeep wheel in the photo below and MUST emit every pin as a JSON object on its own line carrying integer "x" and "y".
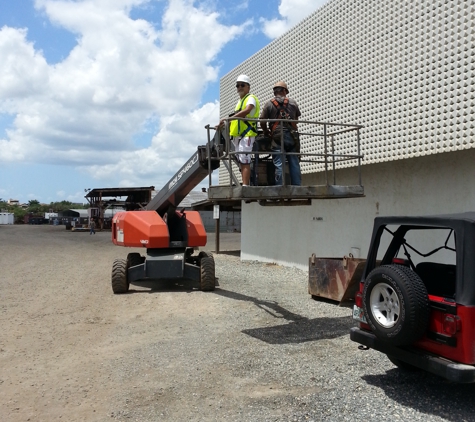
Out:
{"x": 120, "y": 283}
{"x": 207, "y": 272}
{"x": 396, "y": 304}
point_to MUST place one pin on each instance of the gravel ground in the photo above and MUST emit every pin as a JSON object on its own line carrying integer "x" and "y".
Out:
{"x": 258, "y": 348}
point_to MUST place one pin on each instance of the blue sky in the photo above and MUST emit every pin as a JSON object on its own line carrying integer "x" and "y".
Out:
{"x": 109, "y": 93}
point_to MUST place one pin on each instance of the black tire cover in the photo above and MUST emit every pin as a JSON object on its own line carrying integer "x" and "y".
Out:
{"x": 413, "y": 317}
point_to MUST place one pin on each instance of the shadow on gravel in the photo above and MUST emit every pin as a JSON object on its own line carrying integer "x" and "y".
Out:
{"x": 168, "y": 286}
{"x": 427, "y": 393}
{"x": 164, "y": 286}
{"x": 303, "y": 330}
{"x": 299, "y": 330}
{"x": 232, "y": 253}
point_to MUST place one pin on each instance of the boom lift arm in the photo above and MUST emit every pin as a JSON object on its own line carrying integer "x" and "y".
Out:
{"x": 183, "y": 182}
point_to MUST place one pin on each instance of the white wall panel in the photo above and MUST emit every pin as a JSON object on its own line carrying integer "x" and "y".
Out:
{"x": 434, "y": 184}
{"x": 403, "y": 69}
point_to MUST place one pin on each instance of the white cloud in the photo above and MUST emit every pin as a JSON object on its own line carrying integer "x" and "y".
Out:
{"x": 176, "y": 141}
{"x": 122, "y": 73}
{"x": 291, "y": 12}
{"x": 24, "y": 71}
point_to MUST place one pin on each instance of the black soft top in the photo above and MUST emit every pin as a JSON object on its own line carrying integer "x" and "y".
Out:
{"x": 460, "y": 220}
{"x": 464, "y": 226}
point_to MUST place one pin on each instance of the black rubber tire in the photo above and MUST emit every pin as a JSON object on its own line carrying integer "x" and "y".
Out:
{"x": 402, "y": 365}
{"x": 410, "y": 294}
{"x": 207, "y": 272}
{"x": 133, "y": 259}
{"x": 120, "y": 283}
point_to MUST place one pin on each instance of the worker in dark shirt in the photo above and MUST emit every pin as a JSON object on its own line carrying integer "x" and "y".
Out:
{"x": 282, "y": 107}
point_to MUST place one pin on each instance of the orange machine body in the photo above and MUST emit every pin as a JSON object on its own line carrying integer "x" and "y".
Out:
{"x": 148, "y": 230}
{"x": 195, "y": 229}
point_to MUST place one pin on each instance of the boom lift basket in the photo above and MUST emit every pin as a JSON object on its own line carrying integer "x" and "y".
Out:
{"x": 326, "y": 146}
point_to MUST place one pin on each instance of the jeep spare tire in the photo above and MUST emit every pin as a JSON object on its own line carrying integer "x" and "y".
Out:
{"x": 396, "y": 304}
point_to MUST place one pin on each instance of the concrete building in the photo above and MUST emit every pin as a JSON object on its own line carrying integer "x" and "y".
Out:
{"x": 6, "y": 218}
{"x": 402, "y": 69}
{"x": 229, "y": 220}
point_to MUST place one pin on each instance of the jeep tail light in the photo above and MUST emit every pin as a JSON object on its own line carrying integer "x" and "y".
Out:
{"x": 452, "y": 324}
{"x": 401, "y": 261}
{"x": 359, "y": 300}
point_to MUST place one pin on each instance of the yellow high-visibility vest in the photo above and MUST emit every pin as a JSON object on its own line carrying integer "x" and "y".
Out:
{"x": 243, "y": 127}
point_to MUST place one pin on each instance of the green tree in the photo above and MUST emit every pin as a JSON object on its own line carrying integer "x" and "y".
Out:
{"x": 34, "y": 206}
{"x": 19, "y": 214}
{"x": 66, "y": 205}
{"x": 4, "y": 205}
{"x": 62, "y": 206}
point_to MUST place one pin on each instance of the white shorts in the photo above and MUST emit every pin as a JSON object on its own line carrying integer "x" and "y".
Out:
{"x": 244, "y": 145}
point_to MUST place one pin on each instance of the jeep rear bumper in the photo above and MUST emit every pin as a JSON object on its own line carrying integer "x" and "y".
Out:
{"x": 452, "y": 371}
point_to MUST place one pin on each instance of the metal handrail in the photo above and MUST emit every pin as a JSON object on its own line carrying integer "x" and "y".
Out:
{"x": 329, "y": 136}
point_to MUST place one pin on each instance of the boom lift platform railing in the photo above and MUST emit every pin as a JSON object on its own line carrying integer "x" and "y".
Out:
{"x": 317, "y": 136}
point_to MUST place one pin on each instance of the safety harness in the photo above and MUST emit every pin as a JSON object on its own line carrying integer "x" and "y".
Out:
{"x": 283, "y": 113}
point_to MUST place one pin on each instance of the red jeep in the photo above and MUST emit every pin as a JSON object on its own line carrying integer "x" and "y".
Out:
{"x": 416, "y": 300}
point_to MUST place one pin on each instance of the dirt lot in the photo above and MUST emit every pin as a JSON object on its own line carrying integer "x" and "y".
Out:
{"x": 256, "y": 349}
{"x": 64, "y": 331}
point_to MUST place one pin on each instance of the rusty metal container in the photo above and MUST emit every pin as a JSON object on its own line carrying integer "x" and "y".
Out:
{"x": 335, "y": 278}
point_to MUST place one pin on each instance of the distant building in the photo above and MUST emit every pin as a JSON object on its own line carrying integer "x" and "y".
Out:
{"x": 191, "y": 198}
{"x": 13, "y": 202}
{"x": 51, "y": 215}
{"x": 33, "y": 219}
{"x": 81, "y": 217}
{"x": 229, "y": 220}
{"x": 6, "y": 218}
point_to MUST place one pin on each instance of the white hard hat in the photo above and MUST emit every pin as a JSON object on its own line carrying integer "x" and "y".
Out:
{"x": 244, "y": 78}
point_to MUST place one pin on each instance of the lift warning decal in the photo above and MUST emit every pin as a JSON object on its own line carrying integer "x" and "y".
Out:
{"x": 183, "y": 171}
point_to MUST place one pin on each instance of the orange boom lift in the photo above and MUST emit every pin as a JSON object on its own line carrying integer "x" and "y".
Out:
{"x": 167, "y": 235}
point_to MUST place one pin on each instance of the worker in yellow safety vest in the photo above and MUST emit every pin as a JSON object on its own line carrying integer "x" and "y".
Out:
{"x": 244, "y": 132}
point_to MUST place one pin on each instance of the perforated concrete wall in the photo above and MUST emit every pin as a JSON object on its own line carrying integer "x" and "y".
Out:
{"x": 433, "y": 184}
{"x": 403, "y": 69}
